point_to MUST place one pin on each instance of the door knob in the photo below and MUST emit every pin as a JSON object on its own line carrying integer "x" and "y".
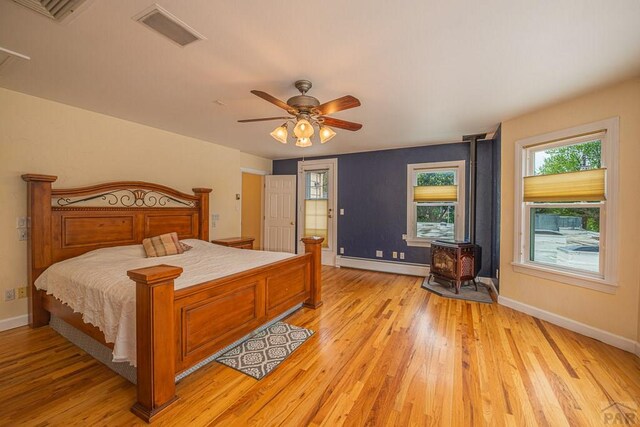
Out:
{"x": 292, "y": 223}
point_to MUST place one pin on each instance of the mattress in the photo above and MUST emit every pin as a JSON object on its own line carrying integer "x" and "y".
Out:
{"x": 96, "y": 284}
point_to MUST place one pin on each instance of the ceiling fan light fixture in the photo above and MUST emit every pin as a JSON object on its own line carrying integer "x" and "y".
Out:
{"x": 326, "y": 133}
{"x": 304, "y": 142}
{"x": 280, "y": 133}
{"x": 303, "y": 129}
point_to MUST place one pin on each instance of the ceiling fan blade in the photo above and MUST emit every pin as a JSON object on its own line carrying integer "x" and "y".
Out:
{"x": 275, "y": 101}
{"x": 264, "y": 120}
{"x": 339, "y": 104}
{"x": 342, "y": 124}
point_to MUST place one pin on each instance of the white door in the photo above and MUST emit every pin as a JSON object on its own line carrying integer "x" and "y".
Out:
{"x": 317, "y": 198}
{"x": 280, "y": 213}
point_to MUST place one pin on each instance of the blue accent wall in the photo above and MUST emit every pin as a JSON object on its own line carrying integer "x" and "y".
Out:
{"x": 372, "y": 190}
{"x": 496, "y": 147}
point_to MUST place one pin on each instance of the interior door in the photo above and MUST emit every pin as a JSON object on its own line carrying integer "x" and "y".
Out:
{"x": 317, "y": 192}
{"x": 280, "y": 213}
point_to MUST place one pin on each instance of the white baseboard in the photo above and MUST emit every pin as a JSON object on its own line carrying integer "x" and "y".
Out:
{"x": 14, "y": 322}
{"x": 573, "y": 325}
{"x": 383, "y": 266}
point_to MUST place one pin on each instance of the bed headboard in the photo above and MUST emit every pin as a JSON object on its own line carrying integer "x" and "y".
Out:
{"x": 69, "y": 222}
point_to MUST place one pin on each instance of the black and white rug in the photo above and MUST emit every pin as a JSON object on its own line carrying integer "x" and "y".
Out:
{"x": 262, "y": 353}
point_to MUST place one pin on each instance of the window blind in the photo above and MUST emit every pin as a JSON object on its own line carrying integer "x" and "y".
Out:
{"x": 581, "y": 186}
{"x": 316, "y": 212}
{"x": 435, "y": 193}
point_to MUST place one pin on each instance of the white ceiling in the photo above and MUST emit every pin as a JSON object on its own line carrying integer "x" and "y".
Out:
{"x": 426, "y": 71}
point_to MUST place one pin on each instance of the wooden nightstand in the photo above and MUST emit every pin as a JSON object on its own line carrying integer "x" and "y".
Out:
{"x": 236, "y": 242}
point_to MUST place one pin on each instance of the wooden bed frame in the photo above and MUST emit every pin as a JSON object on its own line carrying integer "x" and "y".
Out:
{"x": 175, "y": 329}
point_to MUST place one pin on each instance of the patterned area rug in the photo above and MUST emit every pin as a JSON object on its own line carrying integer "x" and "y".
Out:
{"x": 263, "y": 352}
{"x": 467, "y": 292}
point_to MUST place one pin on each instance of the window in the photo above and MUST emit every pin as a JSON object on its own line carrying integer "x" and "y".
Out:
{"x": 316, "y": 204}
{"x": 435, "y": 202}
{"x": 565, "y": 205}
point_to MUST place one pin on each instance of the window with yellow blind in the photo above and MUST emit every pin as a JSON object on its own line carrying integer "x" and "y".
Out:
{"x": 435, "y": 202}
{"x": 316, "y": 204}
{"x": 565, "y": 203}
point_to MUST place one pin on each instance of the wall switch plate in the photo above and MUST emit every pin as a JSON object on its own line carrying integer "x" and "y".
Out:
{"x": 401, "y": 255}
{"x": 21, "y": 222}
{"x": 341, "y": 211}
{"x": 497, "y": 273}
{"x": 341, "y": 251}
{"x": 22, "y": 292}
{"x": 379, "y": 254}
{"x": 394, "y": 254}
{"x": 23, "y": 234}
{"x": 9, "y": 294}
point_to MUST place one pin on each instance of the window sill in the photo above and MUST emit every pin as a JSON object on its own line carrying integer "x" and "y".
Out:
{"x": 574, "y": 279}
{"x": 418, "y": 242}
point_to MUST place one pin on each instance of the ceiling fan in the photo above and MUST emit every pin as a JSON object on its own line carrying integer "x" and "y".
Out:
{"x": 306, "y": 113}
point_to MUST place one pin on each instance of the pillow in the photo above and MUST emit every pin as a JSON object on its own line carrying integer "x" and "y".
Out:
{"x": 185, "y": 247}
{"x": 162, "y": 245}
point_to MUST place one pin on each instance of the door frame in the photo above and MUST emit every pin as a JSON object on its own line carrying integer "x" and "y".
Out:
{"x": 262, "y": 218}
{"x": 328, "y": 255}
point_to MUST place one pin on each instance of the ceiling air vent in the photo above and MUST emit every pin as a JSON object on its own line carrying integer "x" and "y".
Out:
{"x": 54, "y": 9}
{"x": 168, "y": 25}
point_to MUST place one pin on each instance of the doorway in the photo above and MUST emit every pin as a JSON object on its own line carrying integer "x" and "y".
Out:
{"x": 251, "y": 212}
{"x": 317, "y": 201}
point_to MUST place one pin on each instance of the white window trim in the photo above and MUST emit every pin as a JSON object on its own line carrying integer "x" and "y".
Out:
{"x": 608, "y": 282}
{"x": 460, "y": 166}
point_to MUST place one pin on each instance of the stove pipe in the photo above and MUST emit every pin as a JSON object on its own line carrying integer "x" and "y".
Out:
{"x": 473, "y": 176}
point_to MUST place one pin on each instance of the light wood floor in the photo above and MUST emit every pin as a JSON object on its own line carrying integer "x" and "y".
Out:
{"x": 385, "y": 352}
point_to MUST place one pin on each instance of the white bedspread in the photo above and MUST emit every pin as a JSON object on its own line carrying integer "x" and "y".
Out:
{"x": 96, "y": 283}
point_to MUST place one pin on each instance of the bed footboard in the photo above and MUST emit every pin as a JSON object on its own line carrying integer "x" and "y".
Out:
{"x": 177, "y": 329}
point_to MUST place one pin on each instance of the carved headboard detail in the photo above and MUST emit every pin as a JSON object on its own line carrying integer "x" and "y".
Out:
{"x": 69, "y": 222}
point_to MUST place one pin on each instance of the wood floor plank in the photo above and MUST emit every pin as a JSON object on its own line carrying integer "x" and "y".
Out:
{"x": 385, "y": 352}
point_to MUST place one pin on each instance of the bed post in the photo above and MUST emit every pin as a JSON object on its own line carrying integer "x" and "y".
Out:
{"x": 155, "y": 343}
{"x": 39, "y": 241}
{"x": 203, "y": 215}
{"x": 313, "y": 245}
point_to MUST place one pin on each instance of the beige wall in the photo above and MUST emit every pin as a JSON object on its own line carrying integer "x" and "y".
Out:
{"x": 83, "y": 147}
{"x": 252, "y": 207}
{"x": 618, "y": 313}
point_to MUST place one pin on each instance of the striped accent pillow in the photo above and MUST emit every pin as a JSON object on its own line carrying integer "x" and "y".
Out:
{"x": 162, "y": 245}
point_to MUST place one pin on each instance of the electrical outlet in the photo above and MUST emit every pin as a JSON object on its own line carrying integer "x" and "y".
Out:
{"x": 394, "y": 254}
{"x": 401, "y": 255}
{"x": 21, "y": 222}
{"x": 379, "y": 254}
{"x": 23, "y": 234}
{"x": 341, "y": 251}
{"x": 22, "y": 292}
{"x": 9, "y": 294}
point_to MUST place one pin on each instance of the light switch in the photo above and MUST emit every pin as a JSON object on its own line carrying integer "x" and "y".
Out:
{"x": 341, "y": 211}
{"x": 21, "y": 222}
